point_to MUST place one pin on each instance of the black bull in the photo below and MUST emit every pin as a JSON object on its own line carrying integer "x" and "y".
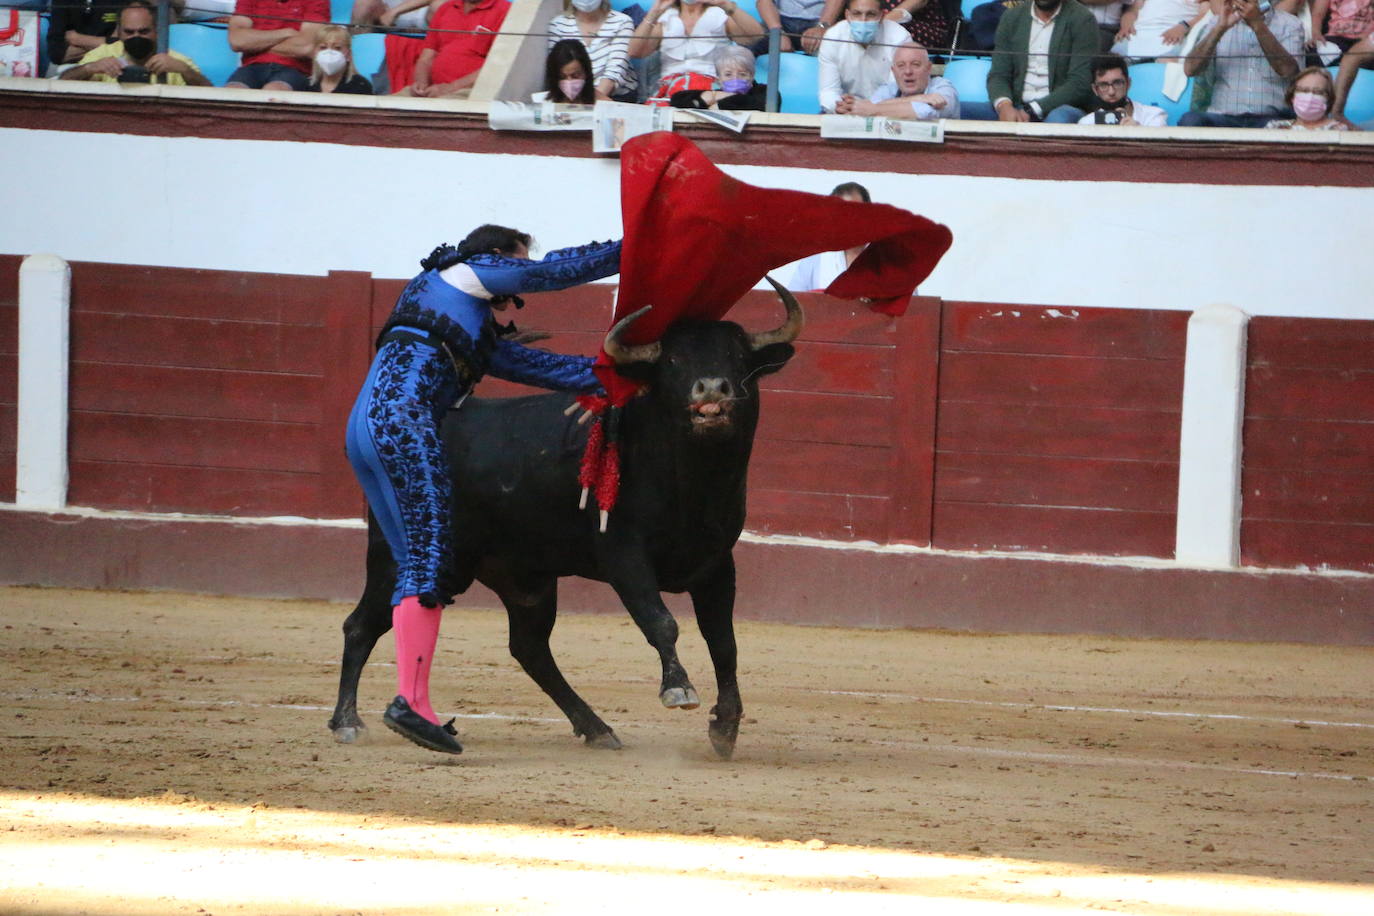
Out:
{"x": 518, "y": 528}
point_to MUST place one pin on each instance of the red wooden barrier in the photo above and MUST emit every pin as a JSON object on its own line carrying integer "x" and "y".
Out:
{"x": 217, "y": 392}
{"x": 1058, "y": 429}
{"x": 9, "y": 370}
{"x": 198, "y": 391}
{"x": 1308, "y": 472}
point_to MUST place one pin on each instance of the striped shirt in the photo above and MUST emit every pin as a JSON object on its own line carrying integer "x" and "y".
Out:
{"x": 609, "y": 48}
{"x": 1243, "y": 80}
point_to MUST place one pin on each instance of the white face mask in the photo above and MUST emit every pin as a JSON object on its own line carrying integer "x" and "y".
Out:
{"x": 587, "y": 6}
{"x": 331, "y": 61}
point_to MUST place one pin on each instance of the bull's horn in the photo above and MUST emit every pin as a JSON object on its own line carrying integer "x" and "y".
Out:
{"x": 790, "y": 328}
{"x": 630, "y": 353}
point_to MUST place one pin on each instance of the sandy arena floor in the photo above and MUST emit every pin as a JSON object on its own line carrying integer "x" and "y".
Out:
{"x": 165, "y": 753}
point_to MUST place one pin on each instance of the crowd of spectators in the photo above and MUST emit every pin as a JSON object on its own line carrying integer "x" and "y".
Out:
{"x": 1248, "y": 63}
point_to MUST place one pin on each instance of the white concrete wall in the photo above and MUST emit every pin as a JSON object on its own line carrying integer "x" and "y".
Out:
{"x": 308, "y": 208}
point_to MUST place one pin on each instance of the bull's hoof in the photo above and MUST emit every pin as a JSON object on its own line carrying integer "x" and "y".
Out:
{"x": 723, "y": 733}
{"x": 606, "y": 741}
{"x": 350, "y": 734}
{"x": 680, "y": 698}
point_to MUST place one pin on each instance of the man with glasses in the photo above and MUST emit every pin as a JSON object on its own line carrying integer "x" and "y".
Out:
{"x": 1112, "y": 85}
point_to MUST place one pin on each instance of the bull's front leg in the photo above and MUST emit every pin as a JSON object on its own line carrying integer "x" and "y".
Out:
{"x": 637, "y": 587}
{"x": 713, "y": 599}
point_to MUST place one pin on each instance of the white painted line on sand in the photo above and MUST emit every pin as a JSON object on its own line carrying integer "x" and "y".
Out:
{"x": 1162, "y": 713}
{"x": 1032, "y": 756}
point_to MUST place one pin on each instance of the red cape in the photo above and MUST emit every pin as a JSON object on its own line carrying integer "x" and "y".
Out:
{"x": 696, "y": 240}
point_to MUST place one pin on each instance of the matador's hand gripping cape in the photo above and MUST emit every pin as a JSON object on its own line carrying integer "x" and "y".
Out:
{"x": 696, "y": 240}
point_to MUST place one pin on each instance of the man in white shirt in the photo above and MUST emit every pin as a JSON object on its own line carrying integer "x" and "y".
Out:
{"x": 819, "y": 270}
{"x": 856, "y": 53}
{"x": 912, "y": 94}
{"x": 1112, "y": 85}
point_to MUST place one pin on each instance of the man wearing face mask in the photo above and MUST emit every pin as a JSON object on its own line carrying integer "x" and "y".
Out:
{"x": 856, "y": 53}
{"x": 1041, "y": 63}
{"x": 133, "y": 57}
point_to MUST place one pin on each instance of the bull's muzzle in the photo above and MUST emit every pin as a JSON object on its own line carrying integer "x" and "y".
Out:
{"x": 711, "y": 400}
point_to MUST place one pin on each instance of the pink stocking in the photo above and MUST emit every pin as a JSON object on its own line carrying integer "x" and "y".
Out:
{"x": 417, "y": 633}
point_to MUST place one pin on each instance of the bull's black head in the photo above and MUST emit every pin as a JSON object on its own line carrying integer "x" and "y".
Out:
{"x": 703, "y": 375}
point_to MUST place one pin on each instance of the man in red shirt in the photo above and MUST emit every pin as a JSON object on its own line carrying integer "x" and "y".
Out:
{"x": 277, "y": 41}
{"x": 460, "y": 35}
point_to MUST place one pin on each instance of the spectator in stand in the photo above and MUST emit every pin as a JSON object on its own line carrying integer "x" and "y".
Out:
{"x": 460, "y": 37}
{"x": 568, "y": 74}
{"x": 76, "y": 27}
{"x": 1311, "y": 95}
{"x": 1112, "y": 86}
{"x": 856, "y": 53}
{"x": 686, "y": 33}
{"x": 803, "y": 22}
{"x": 928, "y": 22}
{"x": 1348, "y": 22}
{"x": 1041, "y": 65}
{"x": 1156, "y": 28}
{"x": 819, "y": 270}
{"x": 606, "y": 34}
{"x": 333, "y": 69}
{"x": 1109, "y": 15}
{"x": 912, "y": 94}
{"x": 735, "y": 88}
{"x": 1252, "y": 55}
{"x": 407, "y": 15}
{"x": 277, "y": 41}
{"x": 1359, "y": 57}
{"x": 133, "y": 57}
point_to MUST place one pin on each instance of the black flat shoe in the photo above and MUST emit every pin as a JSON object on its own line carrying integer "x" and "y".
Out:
{"x": 409, "y": 724}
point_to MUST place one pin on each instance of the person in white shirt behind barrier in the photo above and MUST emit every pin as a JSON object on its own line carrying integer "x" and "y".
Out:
{"x": 819, "y": 270}
{"x": 1112, "y": 85}
{"x": 912, "y": 94}
{"x": 856, "y": 53}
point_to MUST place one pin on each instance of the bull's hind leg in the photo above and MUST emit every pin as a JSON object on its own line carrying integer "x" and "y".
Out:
{"x": 714, "y": 603}
{"x": 369, "y": 620}
{"x": 531, "y": 608}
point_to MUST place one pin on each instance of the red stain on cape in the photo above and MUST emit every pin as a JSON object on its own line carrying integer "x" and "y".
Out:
{"x": 696, "y": 240}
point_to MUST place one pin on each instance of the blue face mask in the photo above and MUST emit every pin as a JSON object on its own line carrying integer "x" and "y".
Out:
{"x": 863, "y": 32}
{"x": 736, "y": 85}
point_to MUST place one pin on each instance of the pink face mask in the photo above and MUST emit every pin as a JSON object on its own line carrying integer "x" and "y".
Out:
{"x": 571, "y": 88}
{"x": 1310, "y": 106}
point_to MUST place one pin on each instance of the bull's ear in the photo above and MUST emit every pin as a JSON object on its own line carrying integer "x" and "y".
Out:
{"x": 642, "y": 372}
{"x": 771, "y": 358}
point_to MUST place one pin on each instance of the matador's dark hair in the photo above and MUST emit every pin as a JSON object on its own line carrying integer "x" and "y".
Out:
{"x": 481, "y": 240}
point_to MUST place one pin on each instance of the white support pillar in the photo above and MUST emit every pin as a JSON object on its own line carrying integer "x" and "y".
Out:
{"x": 1209, "y": 452}
{"x": 45, "y": 286}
